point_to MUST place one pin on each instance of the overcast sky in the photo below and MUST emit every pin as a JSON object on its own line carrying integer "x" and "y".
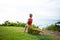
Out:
{"x": 43, "y": 11}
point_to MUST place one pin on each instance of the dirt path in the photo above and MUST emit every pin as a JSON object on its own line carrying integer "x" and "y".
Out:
{"x": 55, "y": 34}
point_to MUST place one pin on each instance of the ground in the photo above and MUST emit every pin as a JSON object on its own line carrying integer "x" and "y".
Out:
{"x": 17, "y": 33}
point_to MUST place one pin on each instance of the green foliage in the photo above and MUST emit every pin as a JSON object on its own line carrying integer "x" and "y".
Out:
{"x": 33, "y": 29}
{"x": 17, "y": 24}
{"x": 53, "y": 27}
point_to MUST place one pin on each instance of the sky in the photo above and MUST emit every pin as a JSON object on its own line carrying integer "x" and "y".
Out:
{"x": 44, "y": 12}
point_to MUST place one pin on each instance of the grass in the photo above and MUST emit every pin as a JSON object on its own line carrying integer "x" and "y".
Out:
{"x": 16, "y": 33}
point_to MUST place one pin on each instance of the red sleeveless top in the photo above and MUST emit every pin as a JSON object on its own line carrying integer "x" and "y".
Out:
{"x": 29, "y": 21}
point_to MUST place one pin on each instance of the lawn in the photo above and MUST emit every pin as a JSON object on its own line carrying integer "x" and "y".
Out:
{"x": 16, "y": 33}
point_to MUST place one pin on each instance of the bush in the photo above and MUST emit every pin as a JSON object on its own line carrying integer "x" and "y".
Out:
{"x": 53, "y": 27}
{"x": 33, "y": 30}
{"x": 17, "y": 24}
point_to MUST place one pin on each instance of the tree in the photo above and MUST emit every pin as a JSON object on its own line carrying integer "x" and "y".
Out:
{"x": 54, "y": 27}
{"x": 6, "y": 23}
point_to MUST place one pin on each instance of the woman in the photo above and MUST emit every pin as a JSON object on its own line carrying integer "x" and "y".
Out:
{"x": 29, "y": 22}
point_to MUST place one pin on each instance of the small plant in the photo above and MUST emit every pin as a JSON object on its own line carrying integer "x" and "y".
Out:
{"x": 33, "y": 30}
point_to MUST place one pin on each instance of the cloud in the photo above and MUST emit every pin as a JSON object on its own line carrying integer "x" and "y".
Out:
{"x": 18, "y": 10}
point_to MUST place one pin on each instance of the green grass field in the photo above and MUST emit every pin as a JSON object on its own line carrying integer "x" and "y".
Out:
{"x": 16, "y": 33}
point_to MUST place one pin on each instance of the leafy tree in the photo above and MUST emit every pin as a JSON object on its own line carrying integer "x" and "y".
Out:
{"x": 53, "y": 27}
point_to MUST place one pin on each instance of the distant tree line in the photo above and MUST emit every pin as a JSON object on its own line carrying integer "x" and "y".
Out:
{"x": 16, "y": 24}
{"x": 54, "y": 27}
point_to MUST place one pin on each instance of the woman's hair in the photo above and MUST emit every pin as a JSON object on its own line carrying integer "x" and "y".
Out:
{"x": 30, "y": 15}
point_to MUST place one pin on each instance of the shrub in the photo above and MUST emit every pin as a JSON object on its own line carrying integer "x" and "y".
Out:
{"x": 33, "y": 30}
{"x": 53, "y": 27}
{"x": 17, "y": 24}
